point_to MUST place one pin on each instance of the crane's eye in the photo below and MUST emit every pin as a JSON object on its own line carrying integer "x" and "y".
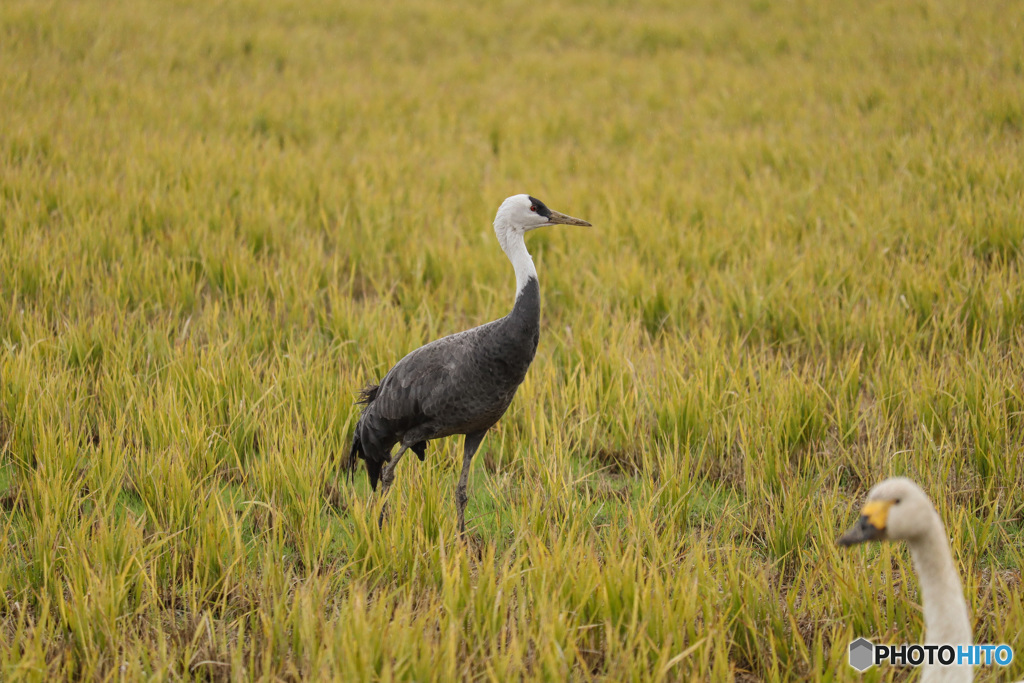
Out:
{"x": 533, "y": 207}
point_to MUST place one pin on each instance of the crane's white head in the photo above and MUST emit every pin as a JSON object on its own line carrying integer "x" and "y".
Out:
{"x": 522, "y": 213}
{"x": 896, "y": 509}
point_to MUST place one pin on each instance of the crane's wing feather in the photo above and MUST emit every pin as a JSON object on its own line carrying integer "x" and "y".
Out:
{"x": 424, "y": 383}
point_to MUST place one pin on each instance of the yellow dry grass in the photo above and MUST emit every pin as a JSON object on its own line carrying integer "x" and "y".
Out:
{"x": 219, "y": 220}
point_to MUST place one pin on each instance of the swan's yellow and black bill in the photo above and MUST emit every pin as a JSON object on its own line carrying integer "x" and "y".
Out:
{"x": 561, "y": 219}
{"x": 870, "y": 526}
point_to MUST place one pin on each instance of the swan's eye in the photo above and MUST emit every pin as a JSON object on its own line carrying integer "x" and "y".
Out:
{"x": 533, "y": 208}
{"x": 897, "y": 501}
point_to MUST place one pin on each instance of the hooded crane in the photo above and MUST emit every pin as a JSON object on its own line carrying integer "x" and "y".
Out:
{"x": 460, "y": 384}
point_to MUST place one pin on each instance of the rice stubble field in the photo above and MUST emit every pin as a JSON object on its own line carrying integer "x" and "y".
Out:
{"x": 219, "y": 221}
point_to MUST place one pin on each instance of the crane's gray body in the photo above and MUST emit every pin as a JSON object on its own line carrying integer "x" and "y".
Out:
{"x": 460, "y": 384}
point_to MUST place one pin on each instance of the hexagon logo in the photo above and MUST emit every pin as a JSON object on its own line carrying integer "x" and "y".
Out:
{"x": 862, "y": 654}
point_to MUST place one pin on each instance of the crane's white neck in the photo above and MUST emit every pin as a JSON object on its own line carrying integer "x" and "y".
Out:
{"x": 946, "y": 620}
{"x": 514, "y": 246}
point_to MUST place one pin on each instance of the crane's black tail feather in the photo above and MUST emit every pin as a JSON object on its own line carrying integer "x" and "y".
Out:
{"x": 367, "y": 394}
{"x": 373, "y": 467}
{"x": 353, "y": 456}
{"x": 420, "y": 449}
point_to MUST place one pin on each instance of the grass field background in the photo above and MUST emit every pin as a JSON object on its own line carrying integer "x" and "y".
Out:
{"x": 218, "y": 221}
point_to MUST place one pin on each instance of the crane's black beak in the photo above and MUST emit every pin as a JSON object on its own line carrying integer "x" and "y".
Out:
{"x": 870, "y": 526}
{"x": 561, "y": 219}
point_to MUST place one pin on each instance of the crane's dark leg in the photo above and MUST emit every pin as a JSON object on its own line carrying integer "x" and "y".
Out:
{"x": 461, "y": 497}
{"x": 386, "y": 477}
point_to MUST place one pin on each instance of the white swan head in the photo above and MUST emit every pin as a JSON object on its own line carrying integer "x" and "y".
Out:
{"x": 896, "y": 509}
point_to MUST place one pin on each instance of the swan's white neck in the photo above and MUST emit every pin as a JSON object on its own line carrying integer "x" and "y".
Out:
{"x": 514, "y": 246}
{"x": 945, "y": 611}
